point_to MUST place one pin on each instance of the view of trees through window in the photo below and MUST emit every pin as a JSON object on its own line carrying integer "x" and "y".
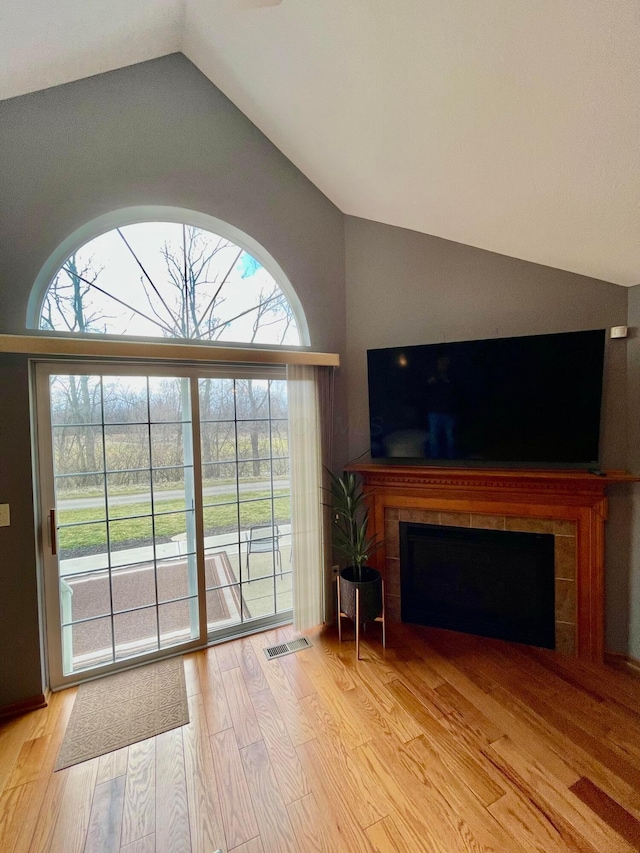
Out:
{"x": 169, "y": 280}
{"x": 79, "y": 401}
{"x": 125, "y": 461}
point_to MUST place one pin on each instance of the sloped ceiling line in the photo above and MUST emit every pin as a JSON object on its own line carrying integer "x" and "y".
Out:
{"x": 510, "y": 126}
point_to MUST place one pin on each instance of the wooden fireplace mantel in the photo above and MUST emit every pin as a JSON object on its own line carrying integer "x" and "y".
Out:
{"x": 569, "y": 504}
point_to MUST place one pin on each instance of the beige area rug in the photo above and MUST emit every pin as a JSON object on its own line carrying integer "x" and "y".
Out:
{"x": 122, "y": 709}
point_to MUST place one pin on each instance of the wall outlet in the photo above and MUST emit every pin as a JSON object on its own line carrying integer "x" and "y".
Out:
{"x": 5, "y": 519}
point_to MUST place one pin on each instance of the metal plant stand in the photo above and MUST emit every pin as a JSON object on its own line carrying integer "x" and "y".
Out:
{"x": 380, "y": 618}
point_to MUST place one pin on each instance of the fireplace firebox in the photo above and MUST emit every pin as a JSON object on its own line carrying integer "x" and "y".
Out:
{"x": 494, "y": 583}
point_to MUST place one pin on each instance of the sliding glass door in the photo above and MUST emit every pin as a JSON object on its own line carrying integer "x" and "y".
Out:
{"x": 247, "y": 510}
{"x": 164, "y": 507}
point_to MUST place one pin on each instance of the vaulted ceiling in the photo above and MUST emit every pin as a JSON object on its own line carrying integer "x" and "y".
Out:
{"x": 509, "y": 125}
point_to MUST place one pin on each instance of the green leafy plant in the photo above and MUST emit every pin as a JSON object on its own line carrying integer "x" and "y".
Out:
{"x": 350, "y": 521}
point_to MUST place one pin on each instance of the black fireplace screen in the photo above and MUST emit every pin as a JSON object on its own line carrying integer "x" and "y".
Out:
{"x": 494, "y": 583}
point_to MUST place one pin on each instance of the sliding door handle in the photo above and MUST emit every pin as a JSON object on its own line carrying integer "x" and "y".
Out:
{"x": 53, "y": 533}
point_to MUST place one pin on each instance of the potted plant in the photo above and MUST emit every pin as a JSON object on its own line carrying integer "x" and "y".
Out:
{"x": 350, "y": 539}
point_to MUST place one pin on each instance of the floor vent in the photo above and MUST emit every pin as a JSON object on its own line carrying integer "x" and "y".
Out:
{"x": 272, "y": 652}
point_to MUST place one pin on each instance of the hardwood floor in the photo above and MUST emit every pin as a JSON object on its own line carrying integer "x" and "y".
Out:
{"x": 443, "y": 743}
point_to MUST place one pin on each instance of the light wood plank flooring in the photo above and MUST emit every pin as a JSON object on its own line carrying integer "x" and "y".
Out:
{"x": 443, "y": 743}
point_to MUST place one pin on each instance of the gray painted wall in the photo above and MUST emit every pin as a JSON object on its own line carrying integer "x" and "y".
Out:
{"x": 20, "y": 674}
{"x": 157, "y": 133}
{"x": 628, "y": 594}
{"x": 154, "y": 133}
{"x": 408, "y": 288}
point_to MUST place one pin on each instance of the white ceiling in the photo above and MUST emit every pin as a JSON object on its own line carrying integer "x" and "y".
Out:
{"x": 47, "y": 42}
{"x": 511, "y": 125}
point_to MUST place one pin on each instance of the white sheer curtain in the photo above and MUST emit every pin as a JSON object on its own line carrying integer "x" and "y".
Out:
{"x": 310, "y": 419}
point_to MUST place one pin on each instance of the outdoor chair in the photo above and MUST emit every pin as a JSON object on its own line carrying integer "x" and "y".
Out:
{"x": 263, "y": 539}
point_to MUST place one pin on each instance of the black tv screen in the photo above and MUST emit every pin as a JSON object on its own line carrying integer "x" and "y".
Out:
{"x": 531, "y": 400}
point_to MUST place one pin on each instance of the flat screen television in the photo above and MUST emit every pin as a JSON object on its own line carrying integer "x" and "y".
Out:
{"x": 524, "y": 401}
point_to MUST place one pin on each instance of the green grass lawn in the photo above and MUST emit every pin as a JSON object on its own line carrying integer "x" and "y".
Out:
{"x": 217, "y": 519}
{"x": 66, "y": 493}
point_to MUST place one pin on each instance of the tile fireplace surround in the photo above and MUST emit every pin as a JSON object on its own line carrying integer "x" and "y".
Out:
{"x": 571, "y": 505}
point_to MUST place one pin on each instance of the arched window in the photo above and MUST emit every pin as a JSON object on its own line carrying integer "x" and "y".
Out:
{"x": 170, "y": 279}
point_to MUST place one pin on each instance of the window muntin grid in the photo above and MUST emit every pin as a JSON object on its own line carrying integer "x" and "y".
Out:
{"x": 88, "y": 451}
{"x": 140, "y": 477}
{"x": 239, "y": 419}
